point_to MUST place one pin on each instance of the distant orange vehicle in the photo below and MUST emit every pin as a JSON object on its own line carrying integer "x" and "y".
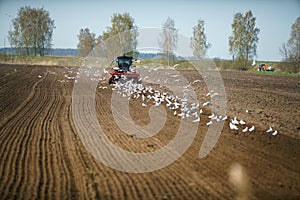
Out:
{"x": 264, "y": 67}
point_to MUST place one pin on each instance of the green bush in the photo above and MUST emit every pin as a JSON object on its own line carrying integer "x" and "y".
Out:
{"x": 223, "y": 64}
{"x": 290, "y": 67}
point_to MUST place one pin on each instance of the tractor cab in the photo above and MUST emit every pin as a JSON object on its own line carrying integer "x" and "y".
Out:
{"x": 125, "y": 70}
{"x": 124, "y": 63}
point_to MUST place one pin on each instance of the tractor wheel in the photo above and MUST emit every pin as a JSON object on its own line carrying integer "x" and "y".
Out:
{"x": 111, "y": 81}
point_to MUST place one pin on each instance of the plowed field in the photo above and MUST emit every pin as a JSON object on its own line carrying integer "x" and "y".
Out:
{"x": 42, "y": 156}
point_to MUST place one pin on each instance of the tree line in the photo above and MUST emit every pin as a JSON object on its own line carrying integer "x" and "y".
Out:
{"x": 242, "y": 42}
{"x": 122, "y": 32}
{"x": 32, "y": 32}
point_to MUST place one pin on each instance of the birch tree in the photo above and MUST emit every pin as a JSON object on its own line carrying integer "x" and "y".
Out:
{"x": 32, "y": 31}
{"x": 199, "y": 41}
{"x": 121, "y": 37}
{"x": 168, "y": 38}
{"x": 86, "y": 42}
{"x": 244, "y": 39}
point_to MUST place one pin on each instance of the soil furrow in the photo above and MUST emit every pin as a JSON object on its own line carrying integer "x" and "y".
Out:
{"x": 43, "y": 156}
{"x": 23, "y": 135}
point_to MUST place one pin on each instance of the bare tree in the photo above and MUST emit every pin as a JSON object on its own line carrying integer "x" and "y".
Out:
{"x": 291, "y": 50}
{"x": 169, "y": 37}
{"x": 294, "y": 41}
{"x": 99, "y": 47}
{"x": 198, "y": 40}
{"x": 284, "y": 52}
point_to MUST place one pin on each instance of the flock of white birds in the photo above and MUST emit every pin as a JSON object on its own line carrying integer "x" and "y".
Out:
{"x": 180, "y": 106}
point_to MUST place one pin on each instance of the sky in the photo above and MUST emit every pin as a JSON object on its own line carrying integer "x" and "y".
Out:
{"x": 274, "y": 18}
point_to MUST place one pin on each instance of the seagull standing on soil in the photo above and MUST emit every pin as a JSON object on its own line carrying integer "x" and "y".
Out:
{"x": 219, "y": 119}
{"x": 234, "y": 121}
{"x": 197, "y": 120}
{"x": 212, "y": 116}
{"x": 251, "y": 129}
{"x": 233, "y": 126}
{"x": 270, "y": 130}
{"x": 206, "y": 103}
{"x": 105, "y": 71}
{"x": 196, "y": 81}
{"x": 245, "y": 130}
{"x": 242, "y": 122}
{"x": 195, "y": 114}
{"x": 182, "y": 115}
{"x": 275, "y": 133}
{"x": 144, "y": 105}
{"x": 194, "y": 106}
{"x": 224, "y": 118}
{"x": 209, "y": 123}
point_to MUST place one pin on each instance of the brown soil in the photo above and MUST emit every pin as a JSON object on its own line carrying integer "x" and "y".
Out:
{"x": 42, "y": 156}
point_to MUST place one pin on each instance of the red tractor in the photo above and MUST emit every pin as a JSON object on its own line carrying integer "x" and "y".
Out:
{"x": 124, "y": 70}
{"x": 264, "y": 67}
